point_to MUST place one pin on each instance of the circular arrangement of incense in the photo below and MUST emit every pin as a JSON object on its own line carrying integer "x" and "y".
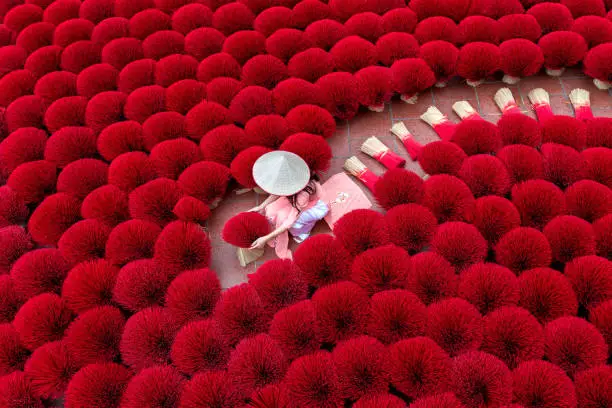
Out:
{"x": 483, "y": 280}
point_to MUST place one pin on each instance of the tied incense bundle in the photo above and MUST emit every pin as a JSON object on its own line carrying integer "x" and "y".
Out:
{"x": 376, "y": 149}
{"x": 541, "y": 103}
{"x": 439, "y": 122}
{"x": 465, "y": 111}
{"x": 581, "y": 101}
{"x": 505, "y": 101}
{"x": 356, "y": 168}
{"x": 400, "y": 130}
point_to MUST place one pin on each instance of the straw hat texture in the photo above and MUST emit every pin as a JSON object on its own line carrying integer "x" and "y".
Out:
{"x": 281, "y": 173}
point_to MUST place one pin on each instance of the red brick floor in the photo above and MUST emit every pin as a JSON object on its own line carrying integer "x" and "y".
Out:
{"x": 350, "y": 135}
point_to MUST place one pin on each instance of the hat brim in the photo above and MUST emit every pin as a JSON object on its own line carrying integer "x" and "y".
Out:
{"x": 281, "y": 173}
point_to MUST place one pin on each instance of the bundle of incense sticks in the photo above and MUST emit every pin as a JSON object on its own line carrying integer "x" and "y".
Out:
{"x": 247, "y": 256}
{"x": 475, "y": 83}
{"x": 410, "y": 99}
{"x": 555, "y": 72}
{"x": 541, "y": 103}
{"x": 465, "y": 111}
{"x": 377, "y": 108}
{"x": 356, "y": 168}
{"x": 373, "y": 147}
{"x": 602, "y": 85}
{"x": 510, "y": 80}
{"x": 505, "y": 101}
{"x": 581, "y": 101}
{"x": 400, "y": 130}
{"x": 439, "y": 122}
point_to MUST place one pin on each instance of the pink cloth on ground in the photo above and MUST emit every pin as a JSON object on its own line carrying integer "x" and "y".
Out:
{"x": 282, "y": 214}
{"x": 342, "y": 195}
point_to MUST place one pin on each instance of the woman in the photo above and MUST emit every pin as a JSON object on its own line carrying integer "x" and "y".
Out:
{"x": 294, "y": 205}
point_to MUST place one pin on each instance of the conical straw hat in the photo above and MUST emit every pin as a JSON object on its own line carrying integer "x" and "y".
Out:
{"x": 281, "y": 173}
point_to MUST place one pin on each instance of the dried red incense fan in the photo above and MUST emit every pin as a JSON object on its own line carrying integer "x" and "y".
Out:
{"x": 439, "y": 122}
{"x": 505, "y": 101}
{"x": 242, "y": 230}
{"x": 376, "y": 149}
{"x": 581, "y": 101}
{"x": 597, "y": 64}
{"x": 541, "y": 103}
{"x": 465, "y": 111}
{"x": 356, "y": 168}
{"x": 400, "y": 130}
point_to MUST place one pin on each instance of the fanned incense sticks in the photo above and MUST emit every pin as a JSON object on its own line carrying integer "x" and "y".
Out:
{"x": 465, "y": 111}
{"x": 541, "y": 103}
{"x": 356, "y": 168}
{"x": 505, "y": 101}
{"x": 581, "y": 101}
{"x": 375, "y": 148}
{"x": 400, "y": 130}
{"x": 597, "y": 64}
{"x": 439, "y": 122}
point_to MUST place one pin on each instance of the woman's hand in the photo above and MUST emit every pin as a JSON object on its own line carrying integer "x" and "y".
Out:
{"x": 259, "y": 243}
{"x": 262, "y": 206}
{"x": 257, "y": 208}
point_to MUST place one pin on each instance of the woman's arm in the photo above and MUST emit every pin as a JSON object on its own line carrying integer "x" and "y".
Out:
{"x": 262, "y": 241}
{"x": 275, "y": 233}
{"x": 271, "y": 198}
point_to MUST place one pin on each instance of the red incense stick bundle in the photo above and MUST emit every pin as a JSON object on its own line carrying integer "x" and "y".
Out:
{"x": 581, "y": 101}
{"x": 597, "y": 64}
{"x": 400, "y": 130}
{"x": 356, "y": 168}
{"x": 541, "y": 103}
{"x": 439, "y": 122}
{"x": 465, "y": 111}
{"x": 241, "y": 231}
{"x": 505, "y": 101}
{"x": 373, "y": 147}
